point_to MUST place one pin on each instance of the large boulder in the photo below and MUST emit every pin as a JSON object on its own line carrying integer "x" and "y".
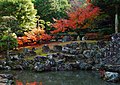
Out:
{"x": 60, "y": 62}
{"x": 65, "y": 49}
{"x": 68, "y": 67}
{"x": 2, "y": 62}
{"x": 115, "y": 37}
{"x": 39, "y": 58}
{"x": 39, "y": 67}
{"x": 61, "y": 67}
{"x": 70, "y": 57}
{"x": 17, "y": 67}
{"x": 66, "y": 39}
{"x": 57, "y": 48}
{"x": 25, "y": 51}
{"x": 32, "y": 52}
{"x": 7, "y": 67}
{"x": 111, "y": 76}
{"x": 6, "y": 79}
{"x": 8, "y": 76}
{"x": 101, "y": 44}
{"x": 24, "y": 65}
{"x": 88, "y": 53}
{"x": 29, "y": 52}
{"x": 45, "y": 48}
{"x": 80, "y": 56}
{"x": 14, "y": 57}
{"x": 75, "y": 65}
{"x": 83, "y": 45}
{"x": 21, "y": 55}
{"x": 85, "y": 66}
{"x": 60, "y": 55}
{"x": 64, "y": 67}
{"x": 74, "y": 51}
{"x": 1, "y": 67}
{"x": 50, "y": 62}
{"x": 74, "y": 45}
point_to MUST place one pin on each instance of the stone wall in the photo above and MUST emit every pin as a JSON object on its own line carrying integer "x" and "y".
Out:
{"x": 73, "y": 56}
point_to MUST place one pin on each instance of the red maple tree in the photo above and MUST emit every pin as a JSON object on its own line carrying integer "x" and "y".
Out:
{"x": 79, "y": 18}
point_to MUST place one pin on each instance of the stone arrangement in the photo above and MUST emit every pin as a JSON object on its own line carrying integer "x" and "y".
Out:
{"x": 73, "y": 56}
{"x": 112, "y": 54}
{"x": 69, "y": 57}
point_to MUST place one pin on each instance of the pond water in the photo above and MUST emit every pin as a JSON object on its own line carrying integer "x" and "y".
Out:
{"x": 61, "y": 78}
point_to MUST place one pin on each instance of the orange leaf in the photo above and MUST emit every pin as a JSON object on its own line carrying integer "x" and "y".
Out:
{"x": 19, "y": 83}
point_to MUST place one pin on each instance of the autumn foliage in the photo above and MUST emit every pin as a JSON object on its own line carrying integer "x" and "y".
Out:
{"x": 31, "y": 83}
{"x": 33, "y": 36}
{"x": 79, "y": 18}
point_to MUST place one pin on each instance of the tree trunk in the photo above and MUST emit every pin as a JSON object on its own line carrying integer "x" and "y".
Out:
{"x": 116, "y": 20}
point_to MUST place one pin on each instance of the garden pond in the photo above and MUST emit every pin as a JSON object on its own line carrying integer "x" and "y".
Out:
{"x": 60, "y": 77}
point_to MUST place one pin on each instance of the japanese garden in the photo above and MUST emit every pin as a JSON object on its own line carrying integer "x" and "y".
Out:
{"x": 59, "y": 42}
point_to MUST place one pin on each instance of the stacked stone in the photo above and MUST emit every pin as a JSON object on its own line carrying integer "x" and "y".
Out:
{"x": 112, "y": 53}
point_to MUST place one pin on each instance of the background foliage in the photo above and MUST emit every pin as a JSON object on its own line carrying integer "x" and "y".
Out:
{"x": 22, "y": 10}
{"x": 47, "y": 9}
{"x": 110, "y": 8}
{"x": 7, "y": 40}
{"x": 30, "y": 20}
{"x": 18, "y": 16}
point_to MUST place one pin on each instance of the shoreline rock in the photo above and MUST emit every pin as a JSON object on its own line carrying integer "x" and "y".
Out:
{"x": 6, "y": 79}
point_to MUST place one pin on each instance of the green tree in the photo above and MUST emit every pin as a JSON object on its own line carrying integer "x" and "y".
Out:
{"x": 47, "y": 9}
{"x": 8, "y": 28}
{"x": 9, "y": 22}
{"x": 8, "y": 40}
{"x": 22, "y": 10}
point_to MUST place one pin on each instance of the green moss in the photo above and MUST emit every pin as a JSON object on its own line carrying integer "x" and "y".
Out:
{"x": 39, "y": 52}
{"x": 29, "y": 57}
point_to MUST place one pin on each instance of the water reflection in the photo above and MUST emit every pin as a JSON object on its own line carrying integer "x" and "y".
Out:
{"x": 62, "y": 78}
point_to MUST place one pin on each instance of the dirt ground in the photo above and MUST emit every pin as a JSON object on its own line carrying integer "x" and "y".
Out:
{"x": 51, "y": 44}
